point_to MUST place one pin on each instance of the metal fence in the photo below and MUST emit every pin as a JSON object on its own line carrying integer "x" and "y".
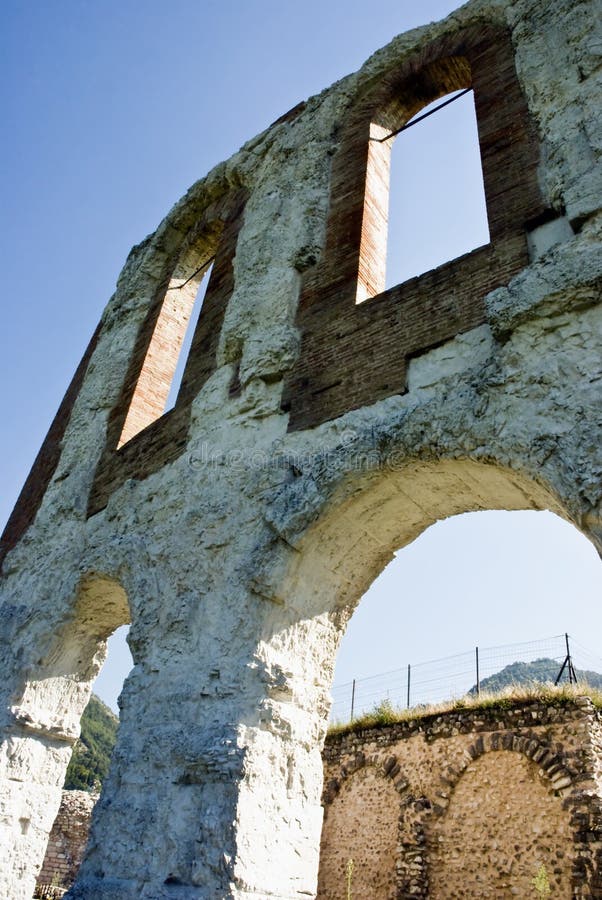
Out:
{"x": 450, "y": 677}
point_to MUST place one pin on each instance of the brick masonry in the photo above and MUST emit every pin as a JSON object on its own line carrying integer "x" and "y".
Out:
{"x": 67, "y": 840}
{"x": 466, "y": 804}
{"x": 352, "y": 354}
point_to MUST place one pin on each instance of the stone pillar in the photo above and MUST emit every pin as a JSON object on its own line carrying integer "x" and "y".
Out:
{"x": 33, "y": 763}
{"x": 56, "y": 657}
{"x": 214, "y": 788}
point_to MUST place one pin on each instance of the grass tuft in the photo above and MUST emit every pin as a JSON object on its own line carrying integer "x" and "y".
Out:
{"x": 384, "y": 713}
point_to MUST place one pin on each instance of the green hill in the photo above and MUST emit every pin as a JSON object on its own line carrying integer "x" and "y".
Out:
{"x": 537, "y": 672}
{"x": 92, "y": 752}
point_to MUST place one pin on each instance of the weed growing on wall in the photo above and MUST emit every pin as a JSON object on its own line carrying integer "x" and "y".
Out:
{"x": 385, "y": 713}
{"x": 350, "y": 866}
{"x": 541, "y": 882}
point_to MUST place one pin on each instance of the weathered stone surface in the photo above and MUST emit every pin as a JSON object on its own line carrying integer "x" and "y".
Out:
{"x": 237, "y": 546}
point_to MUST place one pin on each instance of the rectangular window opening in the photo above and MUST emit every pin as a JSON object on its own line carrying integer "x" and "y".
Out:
{"x": 160, "y": 377}
{"x": 187, "y": 341}
{"x": 425, "y": 198}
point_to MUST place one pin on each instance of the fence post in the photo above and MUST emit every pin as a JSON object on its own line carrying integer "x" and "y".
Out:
{"x": 409, "y": 670}
{"x": 478, "y": 679}
{"x": 352, "y": 698}
{"x": 572, "y": 673}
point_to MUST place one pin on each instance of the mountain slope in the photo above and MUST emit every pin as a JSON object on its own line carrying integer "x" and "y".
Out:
{"x": 92, "y": 752}
{"x": 539, "y": 671}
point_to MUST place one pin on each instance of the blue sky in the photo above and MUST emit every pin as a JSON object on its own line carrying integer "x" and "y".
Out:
{"x": 111, "y": 110}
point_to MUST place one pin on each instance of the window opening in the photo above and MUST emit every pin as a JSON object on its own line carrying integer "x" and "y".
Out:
{"x": 424, "y": 197}
{"x": 160, "y": 376}
{"x": 437, "y": 207}
{"x": 187, "y": 341}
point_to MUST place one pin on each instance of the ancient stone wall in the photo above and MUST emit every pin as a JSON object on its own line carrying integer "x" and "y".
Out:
{"x": 312, "y": 437}
{"x": 462, "y": 804}
{"x": 466, "y": 804}
{"x": 67, "y": 840}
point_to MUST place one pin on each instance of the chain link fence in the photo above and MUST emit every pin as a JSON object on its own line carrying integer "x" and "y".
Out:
{"x": 559, "y": 657}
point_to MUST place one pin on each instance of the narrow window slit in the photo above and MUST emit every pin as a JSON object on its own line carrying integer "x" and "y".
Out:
{"x": 187, "y": 341}
{"x": 160, "y": 376}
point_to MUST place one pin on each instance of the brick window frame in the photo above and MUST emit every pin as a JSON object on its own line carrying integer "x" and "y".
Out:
{"x": 140, "y": 451}
{"x": 353, "y": 354}
{"x": 150, "y": 381}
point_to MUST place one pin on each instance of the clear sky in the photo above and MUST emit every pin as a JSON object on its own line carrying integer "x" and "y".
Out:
{"x": 111, "y": 110}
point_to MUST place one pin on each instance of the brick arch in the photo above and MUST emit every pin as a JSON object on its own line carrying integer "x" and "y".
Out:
{"x": 384, "y": 854}
{"x": 556, "y": 774}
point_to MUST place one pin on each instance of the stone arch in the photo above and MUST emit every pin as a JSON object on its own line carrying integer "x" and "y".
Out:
{"x": 582, "y": 813}
{"x": 339, "y": 522}
{"x": 525, "y": 785}
{"x": 361, "y": 823}
{"x": 46, "y": 710}
{"x": 388, "y": 768}
{"x": 373, "y": 502}
{"x": 59, "y": 683}
{"x": 554, "y": 765}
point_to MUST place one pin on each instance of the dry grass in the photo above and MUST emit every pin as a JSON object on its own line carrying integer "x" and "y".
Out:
{"x": 386, "y": 714}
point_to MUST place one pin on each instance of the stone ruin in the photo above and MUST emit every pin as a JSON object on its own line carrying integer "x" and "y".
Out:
{"x": 322, "y": 423}
{"x": 466, "y": 803}
{"x": 66, "y": 844}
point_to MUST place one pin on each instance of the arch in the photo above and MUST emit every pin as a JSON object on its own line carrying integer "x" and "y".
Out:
{"x": 58, "y": 687}
{"x": 339, "y": 526}
{"x": 554, "y": 769}
{"x": 363, "y": 517}
{"x": 388, "y": 768}
{"x": 553, "y": 764}
{"x": 513, "y": 806}
{"x": 368, "y": 837}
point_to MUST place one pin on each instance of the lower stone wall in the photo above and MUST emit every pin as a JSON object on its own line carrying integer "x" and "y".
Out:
{"x": 466, "y": 804}
{"x": 66, "y": 843}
